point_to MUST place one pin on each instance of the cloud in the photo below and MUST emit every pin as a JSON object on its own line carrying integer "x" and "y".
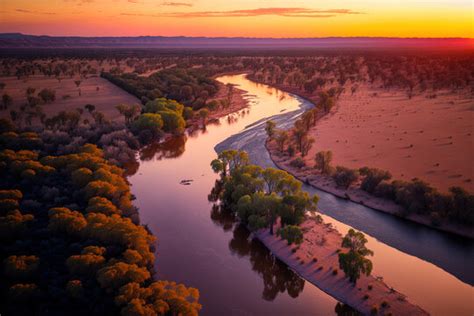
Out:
{"x": 34, "y": 12}
{"x": 285, "y": 12}
{"x": 177, "y": 4}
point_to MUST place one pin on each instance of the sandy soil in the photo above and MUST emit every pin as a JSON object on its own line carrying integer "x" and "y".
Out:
{"x": 94, "y": 90}
{"x": 431, "y": 139}
{"x": 321, "y": 242}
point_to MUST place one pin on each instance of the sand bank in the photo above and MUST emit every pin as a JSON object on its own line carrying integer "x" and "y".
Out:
{"x": 316, "y": 260}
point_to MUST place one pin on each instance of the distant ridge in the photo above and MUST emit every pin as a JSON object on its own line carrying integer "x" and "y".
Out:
{"x": 18, "y": 40}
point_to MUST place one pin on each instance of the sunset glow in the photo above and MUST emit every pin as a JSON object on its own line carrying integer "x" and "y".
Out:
{"x": 261, "y": 18}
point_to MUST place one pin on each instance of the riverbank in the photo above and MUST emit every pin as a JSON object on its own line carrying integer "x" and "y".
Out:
{"x": 354, "y": 193}
{"x": 237, "y": 103}
{"x": 357, "y": 195}
{"x": 316, "y": 260}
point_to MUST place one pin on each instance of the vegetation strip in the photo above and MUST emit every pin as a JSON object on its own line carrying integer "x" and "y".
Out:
{"x": 269, "y": 199}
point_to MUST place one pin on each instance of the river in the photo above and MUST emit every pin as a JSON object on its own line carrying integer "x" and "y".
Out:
{"x": 237, "y": 275}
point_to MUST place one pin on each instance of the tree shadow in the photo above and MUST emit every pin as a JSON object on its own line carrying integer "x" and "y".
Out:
{"x": 276, "y": 276}
{"x": 171, "y": 148}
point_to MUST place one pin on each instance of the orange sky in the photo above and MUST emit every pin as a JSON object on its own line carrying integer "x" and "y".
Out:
{"x": 251, "y": 18}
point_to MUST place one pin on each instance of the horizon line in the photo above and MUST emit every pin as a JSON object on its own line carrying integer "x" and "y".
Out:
{"x": 237, "y": 37}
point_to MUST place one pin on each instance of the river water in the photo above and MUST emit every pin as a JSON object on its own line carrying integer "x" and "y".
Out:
{"x": 199, "y": 246}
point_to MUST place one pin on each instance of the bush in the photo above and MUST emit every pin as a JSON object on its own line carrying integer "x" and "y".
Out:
{"x": 47, "y": 95}
{"x": 344, "y": 177}
{"x": 298, "y": 163}
{"x": 374, "y": 310}
{"x": 372, "y": 178}
{"x": 323, "y": 162}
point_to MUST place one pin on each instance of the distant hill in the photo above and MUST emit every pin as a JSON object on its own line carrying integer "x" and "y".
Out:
{"x": 18, "y": 40}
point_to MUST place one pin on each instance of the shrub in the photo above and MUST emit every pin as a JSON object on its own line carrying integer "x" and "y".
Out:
{"x": 374, "y": 310}
{"x": 47, "y": 95}
{"x": 298, "y": 163}
{"x": 323, "y": 162}
{"x": 344, "y": 177}
{"x": 372, "y": 178}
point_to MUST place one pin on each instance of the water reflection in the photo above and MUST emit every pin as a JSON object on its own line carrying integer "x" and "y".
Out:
{"x": 171, "y": 148}
{"x": 276, "y": 276}
{"x": 345, "y": 310}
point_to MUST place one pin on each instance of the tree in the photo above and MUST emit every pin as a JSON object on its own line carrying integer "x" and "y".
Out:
{"x": 163, "y": 104}
{"x": 130, "y": 112}
{"x": 372, "y": 178}
{"x": 21, "y": 267}
{"x": 47, "y": 95}
{"x": 281, "y": 139}
{"x": 293, "y": 234}
{"x": 230, "y": 93}
{"x": 188, "y": 113}
{"x": 203, "y": 114}
{"x": 323, "y": 161}
{"x": 85, "y": 264}
{"x": 78, "y": 83}
{"x": 353, "y": 262}
{"x": 90, "y": 108}
{"x": 326, "y": 102}
{"x": 6, "y": 101}
{"x": 149, "y": 122}
{"x": 270, "y": 128}
{"x": 30, "y": 91}
{"x": 299, "y": 132}
{"x": 118, "y": 274}
{"x": 173, "y": 122}
{"x": 306, "y": 144}
{"x": 344, "y": 177}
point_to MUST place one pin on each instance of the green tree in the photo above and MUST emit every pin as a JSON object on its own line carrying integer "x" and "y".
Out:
{"x": 372, "y": 178}
{"x": 173, "y": 122}
{"x": 150, "y": 122}
{"x": 163, "y": 104}
{"x": 354, "y": 261}
{"x": 203, "y": 114}
{"x": 344, "y": 177}
{"x": 291, "y": 233}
